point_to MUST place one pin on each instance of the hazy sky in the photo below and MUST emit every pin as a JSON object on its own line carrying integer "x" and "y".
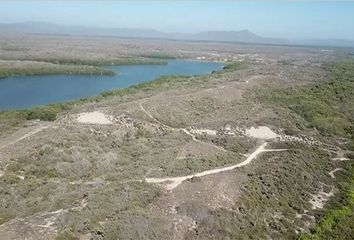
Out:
{"x": 288, "y": 19}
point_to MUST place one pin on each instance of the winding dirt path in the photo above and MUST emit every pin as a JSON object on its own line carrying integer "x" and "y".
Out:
{"x": 20, "y": 135}
{"x": 173, "y": 182}
{"x": 41, "y": 225}
{"x": 180, "y": 129}
{"x": 331, "y": 173}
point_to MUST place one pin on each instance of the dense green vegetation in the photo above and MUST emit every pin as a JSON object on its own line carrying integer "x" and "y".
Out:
{"x": 11, "y": 119}
{"x": 159, "y": 56}
{"x": 48, "y": 69}
{"x": 327, "y": 106}
{"x": 234, "y": 67}
{"x": 27, "y": 66}
{"x": 338, "y": 222}
{"x": 102, "y": 62}
{"x": 95, "y": 61}
{"x": 292, "y": 175}
{"x": 45, "y": 113}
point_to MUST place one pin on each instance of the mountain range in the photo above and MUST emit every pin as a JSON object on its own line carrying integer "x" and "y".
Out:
{"x": 243, "y": 36}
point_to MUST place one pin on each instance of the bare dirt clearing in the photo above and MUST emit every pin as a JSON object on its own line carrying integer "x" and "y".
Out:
{"x": 261, "y": 133}
{"x": 94, "y": 118}
{"x": 319, "y": 200}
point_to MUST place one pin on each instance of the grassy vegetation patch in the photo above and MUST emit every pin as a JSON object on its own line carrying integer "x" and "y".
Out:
{"x": 279, "y": 187}
{"x": 137, "y": 223}
{"x": 281, "y": 184}
{"x": 338, "y": 222}
{"x": 112, "y": 210}
{"x": 158, "y": 56}
{"x": 60, "y": 60}
{"x": 35, "y": 68}
{"x": 10, "y": 120}
{"x": 231, "y": 143}
{"x": 327, "y": 106}
{"x": 234, "y": 67}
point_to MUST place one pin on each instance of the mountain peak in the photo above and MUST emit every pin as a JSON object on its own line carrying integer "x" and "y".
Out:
{"x": 36, "y": 27}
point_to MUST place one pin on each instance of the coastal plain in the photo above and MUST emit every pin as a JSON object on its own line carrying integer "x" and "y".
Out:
{"x": 261, "y": 149}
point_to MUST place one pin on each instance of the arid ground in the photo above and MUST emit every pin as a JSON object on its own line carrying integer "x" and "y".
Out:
{"x": 217, "y": 156}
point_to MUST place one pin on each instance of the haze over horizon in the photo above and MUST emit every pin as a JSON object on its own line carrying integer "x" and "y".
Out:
{"x": 290, "y": 20}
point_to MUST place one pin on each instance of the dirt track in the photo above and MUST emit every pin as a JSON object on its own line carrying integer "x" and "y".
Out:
{"x": 180, "y": 129}
{"x": 22, "y": 134}
{"x": 175, "y": 181}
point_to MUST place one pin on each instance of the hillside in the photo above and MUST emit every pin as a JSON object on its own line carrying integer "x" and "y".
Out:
{"x": 261, "y": 149}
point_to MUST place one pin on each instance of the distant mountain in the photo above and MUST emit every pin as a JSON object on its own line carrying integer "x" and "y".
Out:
{"x": 243, "y": 36}
{"x": 49, "y": 28}
{"x": 237, "y": 36}
{"x": 327, "y": 42}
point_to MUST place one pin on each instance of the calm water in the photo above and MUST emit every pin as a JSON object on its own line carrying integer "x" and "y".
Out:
{"x": 29, "y": 91}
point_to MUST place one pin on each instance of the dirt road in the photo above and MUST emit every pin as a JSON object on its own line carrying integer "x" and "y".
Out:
{"x": 175, "y": 181}
{"x": 22, "y": 134}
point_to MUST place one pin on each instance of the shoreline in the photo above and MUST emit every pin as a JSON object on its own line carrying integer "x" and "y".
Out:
{"x": 22, "y": 67}
{"x": 110, "y": 92}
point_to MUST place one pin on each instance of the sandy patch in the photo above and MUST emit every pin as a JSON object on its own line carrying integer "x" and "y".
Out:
{"x": 331, "y": 173}
{"x": 319, "y": 200}
{"x": 223, "y": 93}
{"x": 202, "y": 131}
{"x": 340, "y": 159}
{"x": 38, "y": 226}
{"x": 261, "y": 132}
{"x": 21, "y": 177}
{"x": 94, "y": 118}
